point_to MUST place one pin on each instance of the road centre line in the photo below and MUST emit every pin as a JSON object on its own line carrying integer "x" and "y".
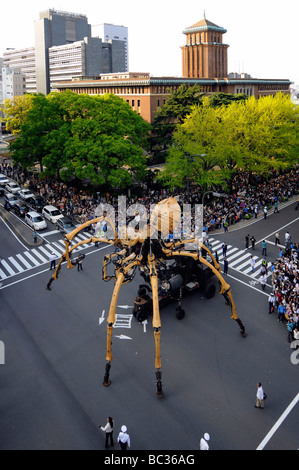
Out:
{"x": 281, "y": 228}
{"x": 278, "y": 423}
{"x": 13, "y": 233}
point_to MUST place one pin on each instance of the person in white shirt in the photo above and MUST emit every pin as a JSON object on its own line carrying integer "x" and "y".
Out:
{"x": 252, "y": 263}
{"x": 124, "y": 438}
{"x": 53, "y": 258}
{"x": 259, "y": 396}
{"x": 203, "y": 445}
{"x": 108, "y": 429}
{"x": 263, "y": 281}
{"x": 271, "y": 302}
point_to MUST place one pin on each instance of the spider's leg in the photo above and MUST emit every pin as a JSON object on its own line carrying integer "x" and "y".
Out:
{"x": 110, "y": 323}
{"x": 157, "y": 327}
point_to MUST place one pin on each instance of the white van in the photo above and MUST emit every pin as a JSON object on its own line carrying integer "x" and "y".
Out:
{"x": 52, "y": 213}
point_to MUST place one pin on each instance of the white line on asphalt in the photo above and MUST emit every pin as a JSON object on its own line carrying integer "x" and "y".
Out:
{"x": 248, "y": 285}
{"x": 16, "y": 264}
{"x": 278, "y": 423}
{"x": 279, "y": 229}
{"x": 24, "y": 262}
{"x": 13, "y": 233}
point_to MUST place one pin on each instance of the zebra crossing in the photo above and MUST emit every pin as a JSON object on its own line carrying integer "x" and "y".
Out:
{"x": 237, "y": 259}
{"x": 38, "y": 256}
{"x": 30, "y": 259}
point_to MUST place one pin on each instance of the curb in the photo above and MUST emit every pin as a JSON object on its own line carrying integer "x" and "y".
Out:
{"x": 21, "y": 230}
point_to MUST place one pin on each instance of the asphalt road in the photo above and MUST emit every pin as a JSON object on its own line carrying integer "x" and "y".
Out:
{"x": 52, "y": 395}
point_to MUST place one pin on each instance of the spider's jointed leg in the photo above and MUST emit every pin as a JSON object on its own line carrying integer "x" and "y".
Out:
{"x": 156, "y": 326}
{"x": 110, "y": 323}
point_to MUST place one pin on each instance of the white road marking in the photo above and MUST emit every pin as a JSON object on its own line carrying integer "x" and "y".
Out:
{"x": 278, "y": 423}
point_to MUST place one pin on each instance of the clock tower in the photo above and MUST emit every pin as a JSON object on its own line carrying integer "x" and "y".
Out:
{"x": 205, "y": 54}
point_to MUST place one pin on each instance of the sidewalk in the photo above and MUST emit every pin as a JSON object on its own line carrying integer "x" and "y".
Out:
{"x": 244, "y": 223}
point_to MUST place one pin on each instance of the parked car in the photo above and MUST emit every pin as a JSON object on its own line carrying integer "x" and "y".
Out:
{"x": 38, "y": 203}
{"x": 20, "y": 208}
{"x": 35, "y": 220}
{"x": 65, "y": 225}
{"x": 3, "y": 180}
{"x": 11, "y": 199}
{"x": 1, "y": 191}
{"x": 12, "y": 187}
{"x": 26, "y": 194}
{"x": 52, "y": 214}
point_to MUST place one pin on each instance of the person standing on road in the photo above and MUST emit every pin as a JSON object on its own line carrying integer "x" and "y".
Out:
{"x": 34, "y": 237}
{"x": 263, "y": 281}
{"x": 203, "y": 444}
{"x": 259, "y": 403}
{"x": 80, "y": 265}
{"x": 265, "y": 212}
{"x": 247, "y": 238}
{"x": 253, "y": 240}
{"x": 264, "y": 248}
{"x": 224, "y": 249}
{"x": 276, "y": 207}
{"x": 271, "y": 302}
{"x": 123, "y": 438}
{"x": 225, "y": 265}
{"x": 53, "y": 259}
{"x": 108, "y": 429}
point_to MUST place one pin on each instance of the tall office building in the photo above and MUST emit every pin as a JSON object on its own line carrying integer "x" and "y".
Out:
{"x": 111, "y": 32}
{"x": 64, "y": 49}
{"x": 55, "y": 28}
{"x": 205, "y": 54}
{"x": 13, "y": 83}
{"x": 87, "y": 58}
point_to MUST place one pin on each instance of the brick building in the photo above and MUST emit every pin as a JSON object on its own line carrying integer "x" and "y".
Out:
{"x": 204, "y": 63}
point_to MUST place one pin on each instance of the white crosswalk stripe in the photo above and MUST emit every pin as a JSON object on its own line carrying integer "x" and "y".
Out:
{"x": 38, "y": 256}
{"x": 238, "y": 259}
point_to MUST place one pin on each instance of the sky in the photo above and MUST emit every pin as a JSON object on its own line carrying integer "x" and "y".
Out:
{"x": 262, "y": 34}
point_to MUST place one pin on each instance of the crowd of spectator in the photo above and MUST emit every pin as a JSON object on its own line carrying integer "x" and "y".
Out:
{"x": 285, "y": 295}
{"x": 248, "y": 197}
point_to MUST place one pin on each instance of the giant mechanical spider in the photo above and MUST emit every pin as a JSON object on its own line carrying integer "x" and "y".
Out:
{"x": 147, "y": 250}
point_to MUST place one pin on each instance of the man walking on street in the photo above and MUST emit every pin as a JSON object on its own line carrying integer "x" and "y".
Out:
{"x": 252, "y": 263}
{"x": 277, "y": 241}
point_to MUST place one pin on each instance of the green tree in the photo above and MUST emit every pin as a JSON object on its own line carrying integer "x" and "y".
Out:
{"x": 173, "y": 112}
{"x": 253, "y": 135}
{"x": 15, "y": 111}
{"x": 96, "y": 137}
